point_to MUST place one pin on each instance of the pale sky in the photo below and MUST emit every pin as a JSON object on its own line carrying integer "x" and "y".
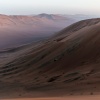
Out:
{"x": 24, "y": 7}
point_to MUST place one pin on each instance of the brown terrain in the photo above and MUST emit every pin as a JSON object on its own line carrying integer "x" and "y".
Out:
{"x": 68, "y": 64}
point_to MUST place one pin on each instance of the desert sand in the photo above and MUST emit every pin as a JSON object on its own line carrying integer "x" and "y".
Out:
{"x": 66, "y": 64}
{"x": 96, "y": 97}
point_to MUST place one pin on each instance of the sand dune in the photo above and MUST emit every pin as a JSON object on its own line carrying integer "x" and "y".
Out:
{"x": 66, "y": 64}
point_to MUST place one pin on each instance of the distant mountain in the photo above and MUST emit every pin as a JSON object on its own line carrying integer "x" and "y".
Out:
{"x": 43, "y": 15}
{"x": 52, "y": 16}
{"x": 18, "y": 30}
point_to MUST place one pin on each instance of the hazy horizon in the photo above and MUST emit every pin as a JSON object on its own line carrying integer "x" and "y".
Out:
{"x": 26, "y": 7}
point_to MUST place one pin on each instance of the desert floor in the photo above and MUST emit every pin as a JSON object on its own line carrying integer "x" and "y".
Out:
{"x": 96, "y": 97}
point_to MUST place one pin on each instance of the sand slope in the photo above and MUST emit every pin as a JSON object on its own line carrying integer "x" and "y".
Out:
{"x": 66, "y": 64}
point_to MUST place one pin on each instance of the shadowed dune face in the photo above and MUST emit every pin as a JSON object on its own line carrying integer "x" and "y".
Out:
{"x": 19, "y": 30}
{"x": 68, "y": 63}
